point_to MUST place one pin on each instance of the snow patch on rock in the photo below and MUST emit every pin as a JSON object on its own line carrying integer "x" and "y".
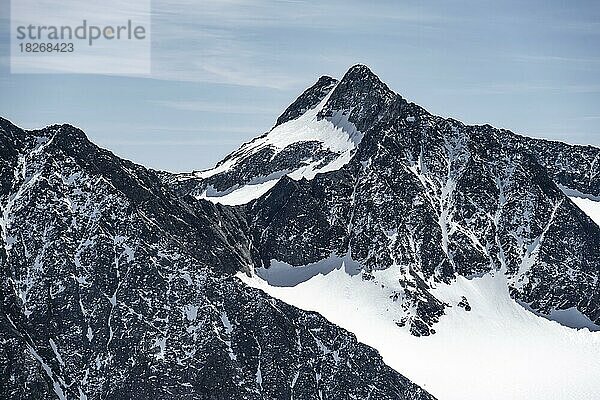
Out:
{"x": 335, "y": 134}
{"x": 588, "y": 206}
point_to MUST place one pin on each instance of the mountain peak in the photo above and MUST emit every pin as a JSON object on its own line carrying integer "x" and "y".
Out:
{"x": 308, "y": 99}
{"x": 361, "y": 71}
{"x": 326, "y": 80}
{"x": 362, "y": 95}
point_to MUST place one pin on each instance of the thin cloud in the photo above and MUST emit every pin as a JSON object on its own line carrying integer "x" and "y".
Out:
{"x": 231, "y": 42}
{"x": 213, "y": 107}
{"x": 556, "y": 58}
{"x": 522, "y": 87}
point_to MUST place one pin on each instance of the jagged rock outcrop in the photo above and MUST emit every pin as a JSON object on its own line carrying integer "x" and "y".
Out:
{"x": 113, "y": 287}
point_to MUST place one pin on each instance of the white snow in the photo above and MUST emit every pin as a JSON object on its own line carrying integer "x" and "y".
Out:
{"x": 55, "y": 385}
{"x": 242, "y": 195}
{"x": 187, "y": 278}
{"x": 129, "y": 252}
{"x": 226, "y": 323}
{"x": 335, "y": 134}
{"x": 326, "y": 350}
{"x": 228, "y": 329}
{"x": 259, "y": 375}
{"x": 588, "y": 203}
{"x": 590, "y": 207}
{"x": 498, "y": 350}
{"x": 56, "y": 353}
{"x": 295, "y": 378}
{"x": 161, "y": 343}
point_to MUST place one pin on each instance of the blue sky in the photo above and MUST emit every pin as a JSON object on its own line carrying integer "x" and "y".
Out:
{"x": 223, "y": 70}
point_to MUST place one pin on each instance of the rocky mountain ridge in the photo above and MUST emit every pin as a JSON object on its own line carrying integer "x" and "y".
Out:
{"x": 116, "y": 288}
{"x": 430, "y": 196}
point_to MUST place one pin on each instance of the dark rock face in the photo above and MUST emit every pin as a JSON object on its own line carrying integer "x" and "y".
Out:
{"x": 363, "y": 97}
{"x": 262, "y": 164}
{"x": 309, "y": 99}
{"x": 113, "y": 287}
{"x": 575, "y": 167}
{"x": 435, "y": 198}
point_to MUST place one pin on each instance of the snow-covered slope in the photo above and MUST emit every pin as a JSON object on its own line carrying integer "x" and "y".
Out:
{"x": 302, "y": 144}
{"x": 335, "y": 136}
{"x": 589, "y": 206}
{"x": 588, "y": 202}
{"x": 495, "y": 350}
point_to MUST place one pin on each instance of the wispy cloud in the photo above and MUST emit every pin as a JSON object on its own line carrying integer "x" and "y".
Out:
{"x": 263, "y": 43}
{"x": 529, "y": 87}
{"x": 209, "y": 42}
{"x": 591, "y": 117}
{"x": 214, "y": 107}
{"x": 546, "y": 58}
